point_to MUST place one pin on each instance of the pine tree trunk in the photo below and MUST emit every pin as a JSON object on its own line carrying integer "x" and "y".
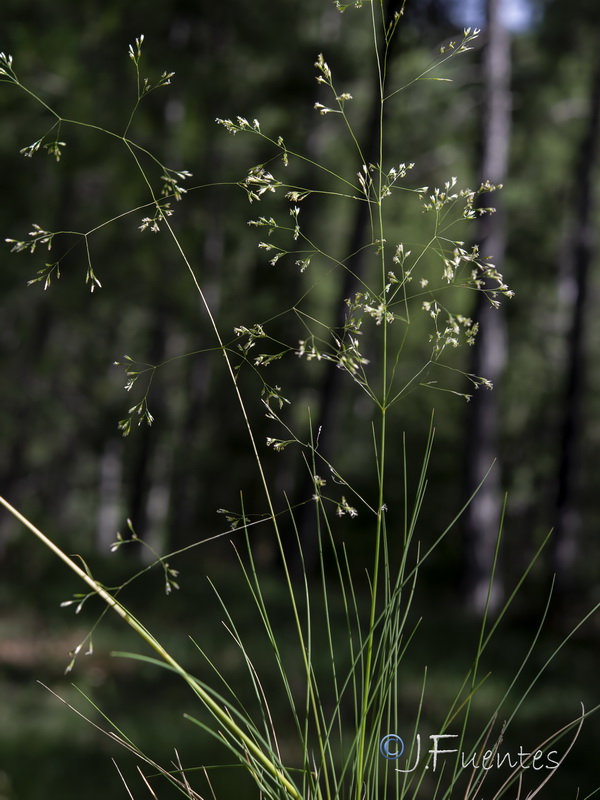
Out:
{"x": 482, "y": 519}
{"x": 576, "y": 272}
{"x": 330, "y": 390}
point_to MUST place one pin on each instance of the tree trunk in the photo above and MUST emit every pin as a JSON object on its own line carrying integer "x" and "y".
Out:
{"x": 330, "y": 389}
{"x": 573, "y": 292}
{"x": 482, "y": 519}
{"x": 110, "y": 488}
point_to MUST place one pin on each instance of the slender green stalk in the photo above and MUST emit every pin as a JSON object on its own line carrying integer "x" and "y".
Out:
{"x": 215, "y": 709}
{"x": 379, "y": 532}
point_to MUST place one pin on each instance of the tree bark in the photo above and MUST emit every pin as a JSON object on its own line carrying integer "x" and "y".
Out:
{"x": 574, "y": 292}
{"x": 331, "y": 384}
{"x": 482, "y": 519}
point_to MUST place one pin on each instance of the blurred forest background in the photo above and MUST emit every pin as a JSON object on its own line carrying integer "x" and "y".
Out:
{"x": 63, "y": 460}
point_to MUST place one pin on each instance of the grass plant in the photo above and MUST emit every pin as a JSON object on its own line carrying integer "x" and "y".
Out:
{"x": 340, "y": 737}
